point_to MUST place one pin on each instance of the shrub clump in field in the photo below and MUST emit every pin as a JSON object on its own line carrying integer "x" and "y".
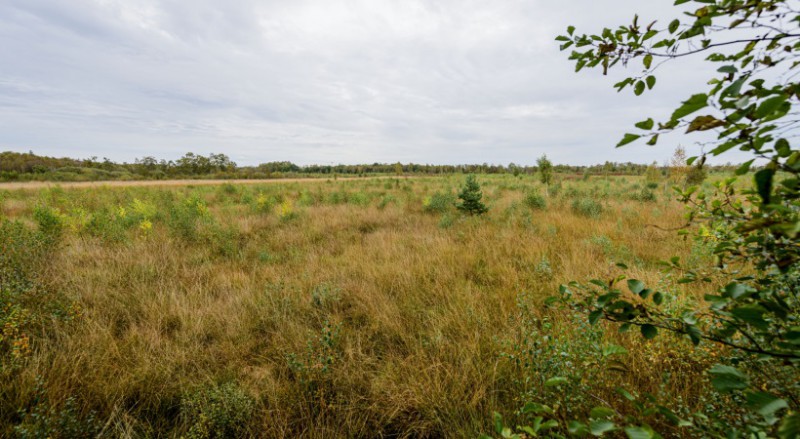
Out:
{"x": 28, "y": 307}
{"x": 45, "y": 420}
{"x": 358, "y": 198}
{"x": 535, "y": 201}
{"x": 587, "y": 207}
{"x": 312, "y": 368}
{"x": 217, "y": 412}
{"x": 470, "y": 197}
{"x": 440, "y": 202}
{"x": 286, "y": 210}
{"x": 51, "y": 221}
{"x": 386, "y": 200}
{"x": 644, "y": 195}
{"x": 696, "y": 175}
{"x": 325, "y": 295}
{"x": 264, "y": 204}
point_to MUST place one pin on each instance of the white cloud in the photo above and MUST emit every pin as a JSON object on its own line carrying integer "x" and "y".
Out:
{"x": 317, "y": 81}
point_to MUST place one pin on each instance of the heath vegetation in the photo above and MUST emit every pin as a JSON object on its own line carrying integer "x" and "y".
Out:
{"x": 323, "y": 309}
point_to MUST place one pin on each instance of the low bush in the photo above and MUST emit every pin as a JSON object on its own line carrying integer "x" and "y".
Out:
{"x": 439, "y": 202}
{"x": 587, "y": 207}
{"x": 535, "y": 201}
{"x": 645, "y": 195}
{"x": 56, "y": 421}
{"x": 219, "y": 411}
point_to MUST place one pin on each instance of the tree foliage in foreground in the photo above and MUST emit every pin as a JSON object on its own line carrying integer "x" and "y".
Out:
{"x": 754, "y": 318}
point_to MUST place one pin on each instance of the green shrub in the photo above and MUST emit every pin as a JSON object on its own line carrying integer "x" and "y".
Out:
{"x": 336, "y": 197}
{"x": 51, "y": 221}
{"x": 439, "y": 202}
{"x": 313, "y": 367}
{"x": 220, "y": 411}
{"x": 185, "y": 216}
{"x": 535, "y": 201}
{"x": 64, "y": 421}
{"x": 446, "y": 221}
{"x": 264, "y": 203}
{"x": 587, "y": 207}
{"x": 106, "y": 226}
{"x": 223, "y": 241}
{"x": 305, "y": 199}
{"x": 555, "y": 189}
{"x": 696, "y": 175}
{"x": 644, "y": 195}
{"x": 324, "y": 295}
{"x": 559, "y": 361}
{"x": 386, "y": 200}
{"x": 358, "y": 198}
{"x": 229, "y": 189}
{"x": 28, "y": 307}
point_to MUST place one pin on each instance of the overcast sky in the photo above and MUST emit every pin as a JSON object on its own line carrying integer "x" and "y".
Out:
{"x": 322, "y": 81}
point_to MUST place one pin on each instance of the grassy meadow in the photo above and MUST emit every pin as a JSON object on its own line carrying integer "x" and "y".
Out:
{"x": 323, "y": 309}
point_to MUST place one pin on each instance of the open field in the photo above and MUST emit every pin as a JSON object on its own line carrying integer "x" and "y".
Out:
{"x": 358, "y": 308}
{"x": 32, "y": 185}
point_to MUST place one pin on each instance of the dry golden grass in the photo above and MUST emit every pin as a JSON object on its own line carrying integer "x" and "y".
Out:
{"x": 423, "y": 305}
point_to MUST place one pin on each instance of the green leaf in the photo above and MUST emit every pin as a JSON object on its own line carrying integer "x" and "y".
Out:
{"x": 636, "y": 286}
{"x": 638, "y": 433}
{"x": 735, "y": 290}
{"x": 646, "y": 124}
{"x": 638, "y": 89}
{"x": 765, "y": 405}
{"x": 537, "y": 409}
{"x": 653, "y": 140}
{"x": 576, "y": 428}
{"x": 625, "y": 394}
{"x": 594, "y": 316}
{"x": 734, "y": 88}
{"x": 790, "y": 427}
{"x": 728, "y": 69}
{"x": 741, "y": 170}
{"x": 769, "y": 106}
{"x": 651, "y": 82}
{"x": 673, "y": 26}
{"x": 782, "y": 148}
{"x": 613, "y": 350}
{"x": 752, "y": 315}
{"x": 600, "y": 427}
{"x": 498, "y": 422}
{"x": 658, "y": 298}
{"x": 727, "y": 378}
{"x": 648, "y": 61}
{"x": 601, "y": 413}
{"x": 694, "y": 103}
{"x": 694, "y": 334}
{"x": 764, "y": 184}
{"x": 555, "y": 381}
{"x": 548, "y": 425}
{"x": 649, "y": 331}
{"x": 704, "y": 123}
{"x": 628, "y": 139}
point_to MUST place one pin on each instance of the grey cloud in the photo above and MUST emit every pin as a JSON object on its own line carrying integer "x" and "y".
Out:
{"x": 314, "y": 81}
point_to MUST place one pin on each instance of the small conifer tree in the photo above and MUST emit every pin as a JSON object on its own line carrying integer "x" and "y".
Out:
{"x": 471, "y": 197}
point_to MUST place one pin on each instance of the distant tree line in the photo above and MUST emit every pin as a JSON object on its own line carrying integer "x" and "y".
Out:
{"x": 16, "y": 166}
